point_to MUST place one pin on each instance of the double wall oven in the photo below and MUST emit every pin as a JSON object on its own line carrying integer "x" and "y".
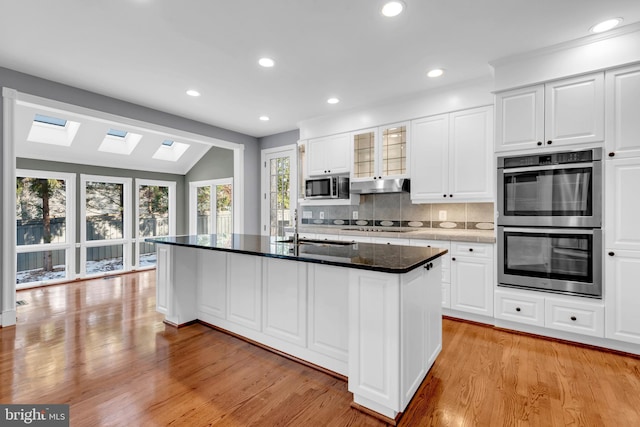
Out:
{"x": 549, "y": 222}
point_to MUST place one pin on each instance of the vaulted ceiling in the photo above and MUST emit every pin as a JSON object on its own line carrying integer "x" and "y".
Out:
{"x": 151, "y": 52}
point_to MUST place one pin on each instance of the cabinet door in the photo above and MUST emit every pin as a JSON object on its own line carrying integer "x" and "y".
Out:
{"x": 623, "y": 296}
{"x": 622, "y": 203}
{"x": 520, "y": 118}
{"x": 623, "y": 110}
{"x": 212, "y": 283}
{"x": 574, "y": 110}
{"x": 329, "y": 155}
{"x": 471, "y": 167}
{"x": 393, "y": 150}
{"x": 244, "y": 296}
{"x": 472, "y": 285}
{"x": 364, "y": 154}
{"x": 163, "y": 277}
{"x": 430, "y": 158}
{"x": 285, "y": 300}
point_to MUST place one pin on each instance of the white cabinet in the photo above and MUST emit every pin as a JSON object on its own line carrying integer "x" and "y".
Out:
{"x": 558, "y": 113}
{"x": 446, "y": 266}
{"x": 329, "y": 155}
{"x": 328, "y": 311}
{"x": 452, "y": 157}
{"x": 244, "y": 301}
{"x": 212, "y": 283}
{"x": 285, "y": 300}
{"x": 582, "y": 316}
{"x": 163, "y": 277}
{"x": 622, "y": 204}
{"x": 623, "y": 110}
{"x": 381, "y": 152}
{"x": 472, "y": 278}
{"x": 623, "y": 295}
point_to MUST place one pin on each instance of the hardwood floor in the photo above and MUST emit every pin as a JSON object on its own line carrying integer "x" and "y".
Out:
{"x": 100, "y": 346}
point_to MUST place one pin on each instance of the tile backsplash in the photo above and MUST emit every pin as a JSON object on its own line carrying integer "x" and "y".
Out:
{"x": 396, "y": 210}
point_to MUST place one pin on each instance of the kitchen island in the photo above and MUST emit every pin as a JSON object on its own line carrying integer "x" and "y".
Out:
{"x": 365, "y": 311}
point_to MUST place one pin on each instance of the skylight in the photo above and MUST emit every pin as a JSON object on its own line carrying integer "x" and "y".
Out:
{"x": 41, "y": 118}
{"x": 170, "y": 153}
{"x": 117, "y": 133}
{"x": 167, "y": 143}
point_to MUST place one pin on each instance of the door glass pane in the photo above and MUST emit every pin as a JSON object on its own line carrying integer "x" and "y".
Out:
{"x": 104, "y": 259}
{"x": 146, "y": 254}
{"x": 40, "y": 211}
{"x": 32, "y": 266}
{"x": 104, "y": 210}
{"x": 394, "y": 143}
{"x": 153, "y": 210}
{"x": 203, "y": 210}
{"x": 224, "y": 214}
{"x": 279, "y": 211}
{"x": 363, "y": 155}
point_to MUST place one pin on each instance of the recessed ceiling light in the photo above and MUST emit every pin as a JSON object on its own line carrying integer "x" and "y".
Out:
{"x": 192, "y": 92}
{"x": 392, "y": 8}
{"x": 606, "y": 25}
{"x": 264, "y": 118}
{"x": 266, "y": 62}
{"x": 333, "y": 100}
{"x": 436, "y": 72}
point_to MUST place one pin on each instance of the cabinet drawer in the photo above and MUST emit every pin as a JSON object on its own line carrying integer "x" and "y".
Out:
{"x": 478, "y": 250}
{"x": 520, "y": 308}
{"x": 578, "y": 317}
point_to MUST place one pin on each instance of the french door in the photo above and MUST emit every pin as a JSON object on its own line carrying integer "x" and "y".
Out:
{"x": 211, "y": 207}
{"x": 155, "y": 213}
{"x": 279, "y": 190}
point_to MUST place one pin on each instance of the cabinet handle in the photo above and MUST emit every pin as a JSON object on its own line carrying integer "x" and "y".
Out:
{"x": 518, "y": 309}
{"x": 427, "y": 266}
{"x": 453, "y": 258}
{"x": 431, "y": 264}
{"x": 539, "y": 143}
{"x": 573, "y": 318}
{"x": 379, "y": 177}
{"x": 611, "y": 154}
{"x": 470, "y": 249}
{"x": 444, "y": 195}
{"x": 450, "y": 195}
{"x": 612, "y": 253}
{"x": 549, "y": 142}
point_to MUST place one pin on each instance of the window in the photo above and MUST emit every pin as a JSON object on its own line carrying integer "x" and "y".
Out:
{"x": 155, "y": 213}
{"x": 50, "y": 120}
{"x": 117, "y": 133}
{"x": 105, "y": 243}
{"x": 45, "y": 227}
{"x": 210, "y": 207}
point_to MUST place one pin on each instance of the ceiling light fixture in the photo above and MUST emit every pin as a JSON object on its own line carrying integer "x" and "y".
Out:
{"x": 606, "y": 25}
{"x": 392, "y": 8}
{"x": 436, "y": 72}
{"x": 266, "y": 62}
{"x": 192, "y": 92}
{"x": 264, "y": 118}
{"x": 333, "y": 100}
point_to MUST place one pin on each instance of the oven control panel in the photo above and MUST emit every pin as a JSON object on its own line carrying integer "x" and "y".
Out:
{"x": 550, "y": 159}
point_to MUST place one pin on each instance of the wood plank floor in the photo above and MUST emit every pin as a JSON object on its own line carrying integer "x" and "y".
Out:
{"x": 100, "y": 346}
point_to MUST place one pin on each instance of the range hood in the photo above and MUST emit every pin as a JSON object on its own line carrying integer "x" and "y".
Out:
{"x": 378, "y": 186}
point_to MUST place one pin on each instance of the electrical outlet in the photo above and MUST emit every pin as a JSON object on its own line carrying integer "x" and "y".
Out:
{"x": 307, "y": 214}
{"x": 321, "y": 215}
{"x": 442, "y": 215}
{"x": 354, "y": 214}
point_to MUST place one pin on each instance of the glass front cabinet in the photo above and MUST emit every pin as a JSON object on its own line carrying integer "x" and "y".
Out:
{"x": 380, "y": 152}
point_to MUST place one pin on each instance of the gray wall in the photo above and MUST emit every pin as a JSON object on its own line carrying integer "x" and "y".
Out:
{"x": 279, "y": 139}
{"x": 43, "y": 165}
{"x": 48, "y": 89}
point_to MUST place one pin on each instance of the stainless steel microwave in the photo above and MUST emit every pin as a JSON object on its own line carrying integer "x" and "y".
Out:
{"x": 327, "y": 187}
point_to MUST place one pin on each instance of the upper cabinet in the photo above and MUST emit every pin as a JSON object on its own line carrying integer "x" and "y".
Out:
{"x": 380, "y": 152}
{"x": 452, "y": 157}
{"x": 330, "y": 155}
{"x": 623, "y": 107}
{"x": 559, "y": 113}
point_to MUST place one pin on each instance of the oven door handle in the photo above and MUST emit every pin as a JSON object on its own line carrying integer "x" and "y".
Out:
{"x": 548, "y": 167}
{"x": 537, "y": 230}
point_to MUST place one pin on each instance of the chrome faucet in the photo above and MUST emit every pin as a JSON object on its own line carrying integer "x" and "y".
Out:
{"x": 295, "y": 227}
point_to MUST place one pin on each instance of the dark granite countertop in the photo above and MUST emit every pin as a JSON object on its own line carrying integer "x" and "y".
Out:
{"x": 367, "y": 256}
